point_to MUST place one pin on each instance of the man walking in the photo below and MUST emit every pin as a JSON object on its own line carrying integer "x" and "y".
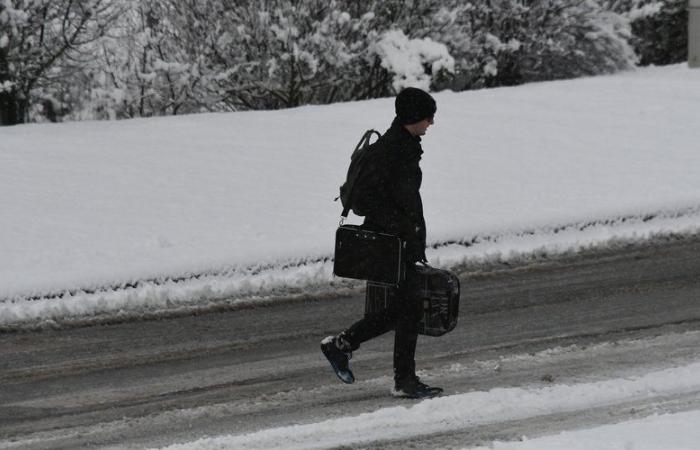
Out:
{"x": 396, "y": 208}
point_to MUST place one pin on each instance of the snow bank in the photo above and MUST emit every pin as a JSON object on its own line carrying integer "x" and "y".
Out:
{"x": 294, "y": 279}
{"x": 669, "y": 431}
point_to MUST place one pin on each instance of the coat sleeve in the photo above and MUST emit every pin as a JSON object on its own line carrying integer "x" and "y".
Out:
{"x": 406, "y": 195}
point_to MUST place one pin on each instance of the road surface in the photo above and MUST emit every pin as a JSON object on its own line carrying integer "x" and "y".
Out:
{"x": 152, "y": 383}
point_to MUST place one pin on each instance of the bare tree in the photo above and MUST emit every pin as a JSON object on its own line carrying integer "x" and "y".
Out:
{"x": 42, "y": 42}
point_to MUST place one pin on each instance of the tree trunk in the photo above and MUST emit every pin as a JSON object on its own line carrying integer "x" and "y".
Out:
{"x": 9, "y": 114}
{"x": 9, "y": 107}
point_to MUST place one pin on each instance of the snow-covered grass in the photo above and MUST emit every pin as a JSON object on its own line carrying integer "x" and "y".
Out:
{"x": 179, "y": 211}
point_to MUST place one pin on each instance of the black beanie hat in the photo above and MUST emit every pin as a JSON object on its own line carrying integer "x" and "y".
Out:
{"x": 413, "y": 105}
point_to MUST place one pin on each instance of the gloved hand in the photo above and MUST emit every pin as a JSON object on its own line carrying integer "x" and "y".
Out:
{"x": 416, "y": 252}
{"x": 424, "y": 259}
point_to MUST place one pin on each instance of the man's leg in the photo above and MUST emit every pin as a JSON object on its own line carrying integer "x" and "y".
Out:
{"x": 338, "y": 349}
{"x": 408, "y": 313}
{"x": 406, "y": 383}
{"x": 405, "y": 341}
{"x": 369, "y": 327}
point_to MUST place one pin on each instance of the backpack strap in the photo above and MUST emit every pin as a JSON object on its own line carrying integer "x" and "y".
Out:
{"x": 363, "y": 142}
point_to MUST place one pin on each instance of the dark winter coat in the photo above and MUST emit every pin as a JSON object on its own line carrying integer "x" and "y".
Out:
{"x": 397, "y": 207}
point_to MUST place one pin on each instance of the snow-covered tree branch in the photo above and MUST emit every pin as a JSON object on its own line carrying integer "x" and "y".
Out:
{"x": 41, "y": 43}
{"x": 110, "y": 59}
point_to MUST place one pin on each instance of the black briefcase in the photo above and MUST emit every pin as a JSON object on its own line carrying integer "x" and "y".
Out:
{"x": 439, "y": 292}
{"x": 364, "y": 254}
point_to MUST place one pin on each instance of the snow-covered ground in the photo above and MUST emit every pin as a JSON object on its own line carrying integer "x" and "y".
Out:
{"x": 456, "y": 412}
{"x": 632, "y": 401}
{"x": 677, "y": 431}
{"x": 104, "y": 218}
{"x": 178, "y": 212}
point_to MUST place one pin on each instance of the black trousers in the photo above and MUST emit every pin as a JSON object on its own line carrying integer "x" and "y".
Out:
{"x": 403, "y": 317}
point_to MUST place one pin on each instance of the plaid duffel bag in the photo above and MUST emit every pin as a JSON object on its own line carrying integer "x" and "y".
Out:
{"x": 439, "y": 292}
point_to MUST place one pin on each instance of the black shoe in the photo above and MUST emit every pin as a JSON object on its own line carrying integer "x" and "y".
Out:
{"x": 339, "y": 359}
{"x": 411, "y": 387}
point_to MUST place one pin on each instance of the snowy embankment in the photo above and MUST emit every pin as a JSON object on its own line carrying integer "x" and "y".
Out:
{"x": 179, "y": 212}
{"x": 677, "y": 431}
{"x": 470, "y": 410}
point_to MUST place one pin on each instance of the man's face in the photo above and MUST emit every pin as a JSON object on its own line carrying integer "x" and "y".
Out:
{"x": 422, "y": 126}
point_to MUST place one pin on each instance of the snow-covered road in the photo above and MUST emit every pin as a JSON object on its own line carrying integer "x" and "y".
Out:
{"x": 585, "y": 340}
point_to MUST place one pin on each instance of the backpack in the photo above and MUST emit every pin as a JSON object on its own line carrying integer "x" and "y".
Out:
{"x": 357, "y": 189}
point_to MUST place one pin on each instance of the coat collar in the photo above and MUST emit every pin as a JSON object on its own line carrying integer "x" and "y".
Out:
{"x": 401, "y": 133}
